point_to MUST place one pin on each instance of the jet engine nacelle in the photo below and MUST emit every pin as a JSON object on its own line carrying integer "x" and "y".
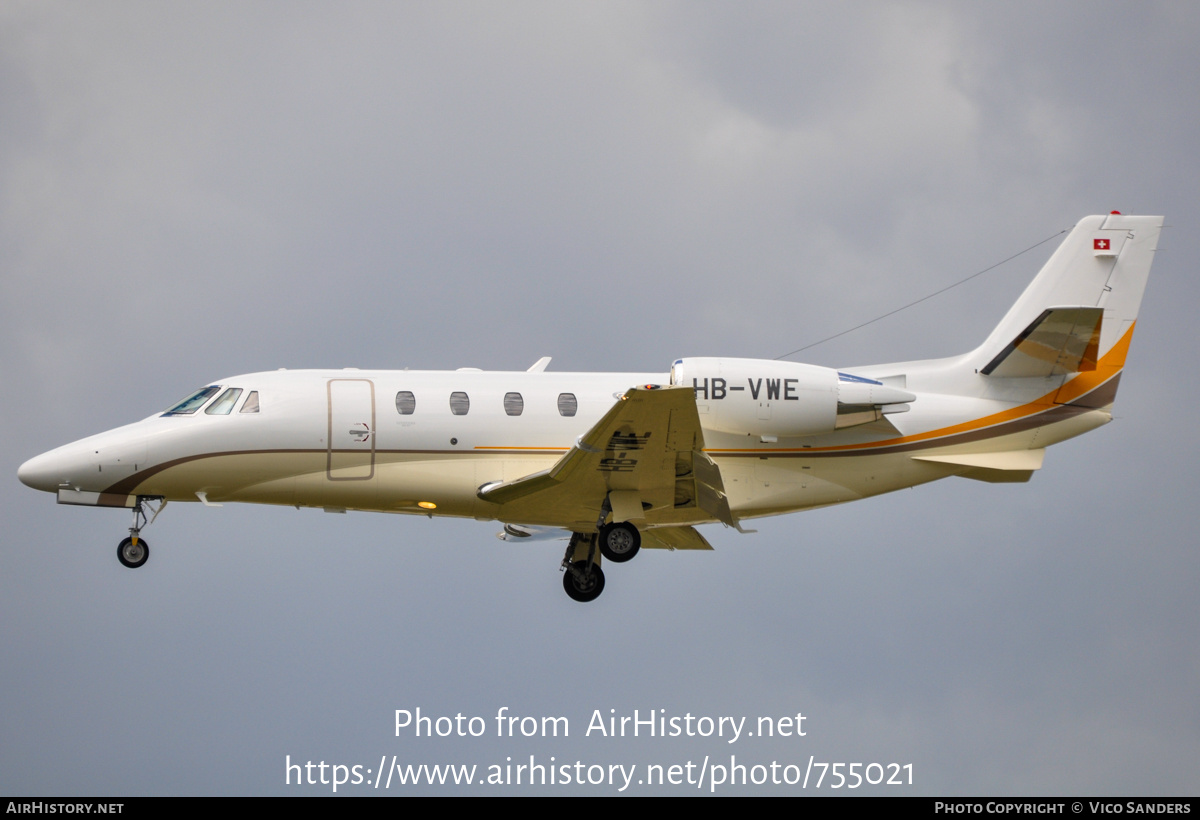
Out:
{"x": 773, "y": 399}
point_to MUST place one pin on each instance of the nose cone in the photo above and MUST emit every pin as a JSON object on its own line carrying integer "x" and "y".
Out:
{"x": 91, "y": 464}
{"x": 44, "y": 472}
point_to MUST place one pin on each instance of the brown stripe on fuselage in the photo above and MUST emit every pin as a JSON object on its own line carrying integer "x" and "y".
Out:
{"x": 126, "y": 485}
{"x": 1102, "y": 396}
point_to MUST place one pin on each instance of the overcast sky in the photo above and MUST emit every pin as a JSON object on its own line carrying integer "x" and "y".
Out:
{"x": 191, "y": 191}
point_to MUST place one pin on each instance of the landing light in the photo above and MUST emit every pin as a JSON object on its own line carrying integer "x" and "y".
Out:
{"x": 427, "y": 505}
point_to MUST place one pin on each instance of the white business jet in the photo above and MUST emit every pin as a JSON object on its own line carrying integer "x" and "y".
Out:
{"x": 620, "y": 461}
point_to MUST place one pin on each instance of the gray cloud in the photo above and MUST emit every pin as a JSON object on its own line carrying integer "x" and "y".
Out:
{"x": 191, "y": 192}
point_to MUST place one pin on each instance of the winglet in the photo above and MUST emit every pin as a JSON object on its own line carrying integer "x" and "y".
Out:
{"x": 540, "y": 365}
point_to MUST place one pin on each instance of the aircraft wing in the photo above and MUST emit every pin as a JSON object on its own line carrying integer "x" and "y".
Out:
{"x": 1061, "y": 340}
{"x": 645, "y": 455}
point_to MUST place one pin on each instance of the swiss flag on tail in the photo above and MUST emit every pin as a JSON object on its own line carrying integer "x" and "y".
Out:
{"x": 1105, "y": 245}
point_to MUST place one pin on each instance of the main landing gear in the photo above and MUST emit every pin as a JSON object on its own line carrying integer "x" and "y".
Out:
{"x": 134, "y": 551}
{"x": 582, "y": 577}
{"x": 619, "y": 542}
{"x": 583, "y": 582}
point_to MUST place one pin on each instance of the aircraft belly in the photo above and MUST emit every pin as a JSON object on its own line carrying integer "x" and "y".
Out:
{"x": 877, "y": 474}
{"x": 583, "y": 519}
{"x": 781, "y": 485}
{"x": 512, "y": 467}
{"x": 766, "y": 486}
{"x": 447, "y": 480}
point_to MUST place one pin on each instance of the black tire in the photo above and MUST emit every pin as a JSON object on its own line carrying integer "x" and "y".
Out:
{"x": 619, "y": 542}
{"x": 131, "y": 556}
{"x": 583, "y": 590}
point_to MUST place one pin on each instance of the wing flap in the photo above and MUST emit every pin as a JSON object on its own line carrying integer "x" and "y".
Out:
{"x": 710, "y": 490}
{"x": 675, "y": 538}
{"x": 626, "y": 505}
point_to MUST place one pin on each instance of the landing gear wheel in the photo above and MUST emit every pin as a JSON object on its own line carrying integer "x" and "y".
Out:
{"x": 580, "y": 585}
{"x": 134, "y": 555}
{"x": 619, "y": 542}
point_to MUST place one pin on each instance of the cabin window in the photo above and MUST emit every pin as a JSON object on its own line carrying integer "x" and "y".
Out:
{"x": 406, "y": 403}
{"x": 193, "y": 402}
{"x": 460, "y": 403}
{"x": 567, "y": 405}
{"x": 251, "y": 405}
{"x": 514, "y": 405}
{"x": 224, "y": 405}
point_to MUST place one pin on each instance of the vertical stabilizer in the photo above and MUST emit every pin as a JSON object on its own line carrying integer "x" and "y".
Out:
{"x": 1102, "y": 264}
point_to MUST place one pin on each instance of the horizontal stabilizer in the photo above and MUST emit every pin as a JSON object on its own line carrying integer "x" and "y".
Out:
{"x": 1011, "y": 460}
{"x": 1014, "y": 466}
{"x": 1062, "y": 340}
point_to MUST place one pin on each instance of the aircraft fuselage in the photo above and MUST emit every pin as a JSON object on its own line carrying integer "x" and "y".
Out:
{"x": 338, "y": 439}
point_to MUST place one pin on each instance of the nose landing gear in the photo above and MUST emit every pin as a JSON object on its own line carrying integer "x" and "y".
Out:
{"x": 134, "y": 551}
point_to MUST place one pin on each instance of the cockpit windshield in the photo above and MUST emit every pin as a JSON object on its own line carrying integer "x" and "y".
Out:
{"x": 193, "y": 402}
{"x": 223, "y": 405}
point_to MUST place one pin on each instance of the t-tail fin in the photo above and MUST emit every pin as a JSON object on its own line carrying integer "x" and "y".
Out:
{"x": 1078, "y": 314}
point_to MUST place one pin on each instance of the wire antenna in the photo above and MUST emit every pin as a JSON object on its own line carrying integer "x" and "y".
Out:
{"x": 923, "y": 298}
